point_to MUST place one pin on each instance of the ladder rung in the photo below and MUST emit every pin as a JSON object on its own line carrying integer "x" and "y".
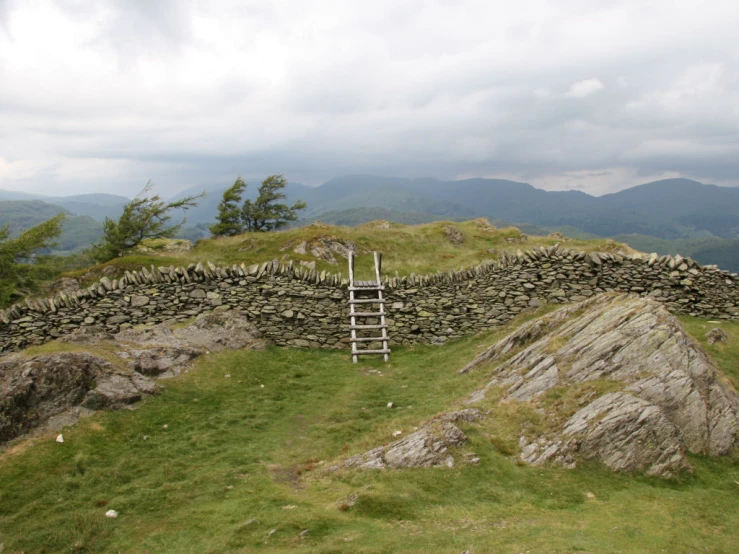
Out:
{"x": 372, "y": 288}
{"x": 358, "y": 327}
{"x": 382, "y": 351}
{"x": 366, "y": 314}
{"x": 367, "y": 301}
{"x": 370, "y": 339}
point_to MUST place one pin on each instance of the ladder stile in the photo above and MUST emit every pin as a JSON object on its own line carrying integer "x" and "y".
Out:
{"x": 374, "y": 288}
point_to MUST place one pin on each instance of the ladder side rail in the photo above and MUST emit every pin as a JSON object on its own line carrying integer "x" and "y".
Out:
{"x": 352, "y": 316}
{"x": 378, "y": 266}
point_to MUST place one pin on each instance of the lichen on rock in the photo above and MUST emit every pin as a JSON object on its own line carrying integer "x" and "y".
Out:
{"x": 672, "y": 399}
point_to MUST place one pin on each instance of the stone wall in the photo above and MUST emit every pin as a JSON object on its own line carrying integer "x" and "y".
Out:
{"x": 294, "y": 306}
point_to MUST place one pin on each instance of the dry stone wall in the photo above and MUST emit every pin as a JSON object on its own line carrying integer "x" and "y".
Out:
{"x": 295, "y": 306}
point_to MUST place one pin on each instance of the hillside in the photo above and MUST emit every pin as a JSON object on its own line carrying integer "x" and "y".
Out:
{"x": 419, "y": 249}
{"x": 712, "y": 250}
{"x": 243, "y": 450}
{"x": 238, "y": 455}
{"x": 78, "y": 231}
{"x": 668, "y": 209}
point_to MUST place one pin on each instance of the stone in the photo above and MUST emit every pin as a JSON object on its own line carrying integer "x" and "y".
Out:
{"x": 223, "y": 330}
{"x": 672, "y": 398}
{"x": 453, "y": 234}
{"x": 138, "y": 301}
{"x": 36, "y": 388}
{"x": 716, "y": 335}
{"x": 427, "y": 447}
{"x": 111, "y": 514}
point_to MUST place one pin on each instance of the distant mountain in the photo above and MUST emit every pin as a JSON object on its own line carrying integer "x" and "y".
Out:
{"x": 667, "y": 209}
{"x": 358, "y": 216}
{"x": 96, "y": 206}
{"x": 16, "y": 195}
{"x": 713, "y": 250}
{"x": 77, "y": 231}
{"x": 19, "y": 215}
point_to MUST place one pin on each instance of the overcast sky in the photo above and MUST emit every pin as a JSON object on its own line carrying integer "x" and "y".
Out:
{"x": 596, "y": 95}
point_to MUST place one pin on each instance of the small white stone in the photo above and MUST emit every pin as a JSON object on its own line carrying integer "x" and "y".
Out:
{"x": 389, "y": 404}
{"x": 111, "y": 513}
{"x": 261, "y": 386}
{"x": 227, "y": 376}
{"x": 397, "y": 433}
{"x": 59, "y": 438}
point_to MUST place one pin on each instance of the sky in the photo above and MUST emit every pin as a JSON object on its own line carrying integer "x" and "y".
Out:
{"x": 599, "y": 95}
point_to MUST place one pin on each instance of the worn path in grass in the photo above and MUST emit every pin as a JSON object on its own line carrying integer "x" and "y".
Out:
{"x": 224, "y": 464}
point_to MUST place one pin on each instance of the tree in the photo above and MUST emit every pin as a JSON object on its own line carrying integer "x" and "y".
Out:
{"x": 266, "y": 213}
{"x": 229, "y": 212}
{"x": 20, "y": 267}
{"x": 143, "y": 217}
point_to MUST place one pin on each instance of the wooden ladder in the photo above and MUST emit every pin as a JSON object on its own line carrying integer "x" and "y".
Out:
{"x": 367, "y": 293}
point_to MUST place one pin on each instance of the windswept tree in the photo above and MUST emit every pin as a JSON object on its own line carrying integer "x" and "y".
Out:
{"x": 229, "y": 222}
{"x": 144, "y": 217}
{"x": 20, "y": 267}
{"x": 267, "y": 213}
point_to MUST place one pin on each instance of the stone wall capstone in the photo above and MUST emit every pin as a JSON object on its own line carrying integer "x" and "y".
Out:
{"x": 295, "y": 306}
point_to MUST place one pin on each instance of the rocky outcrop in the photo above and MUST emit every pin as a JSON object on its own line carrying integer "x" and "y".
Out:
{"x": 322, "y": 248}
{"x": 37, "y": 388}
{"x": 669, "y": 398}
{"x": 453, "y": 234}
{"x": 34, "y": 389}
{"x": 427, "y": 447}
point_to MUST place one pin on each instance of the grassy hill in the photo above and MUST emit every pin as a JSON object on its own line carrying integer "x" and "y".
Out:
{"x": 235, "y": 456}
{"x": 408, "y": 249}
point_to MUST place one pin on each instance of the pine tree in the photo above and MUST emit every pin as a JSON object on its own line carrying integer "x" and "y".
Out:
{"x": 229, "y": 212}
{"x": 143, "y": 217}
{"x": 266, "y": 213}
{"x": 20, "y": 268}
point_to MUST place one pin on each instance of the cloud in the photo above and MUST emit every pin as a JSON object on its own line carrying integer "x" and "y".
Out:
{"x": 104, "y": 95}
{"x": 581, "y": 89}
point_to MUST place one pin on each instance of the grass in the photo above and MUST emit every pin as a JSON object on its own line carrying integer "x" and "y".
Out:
{"x": 241, "y": 464}
{"x": 419, "y": 249}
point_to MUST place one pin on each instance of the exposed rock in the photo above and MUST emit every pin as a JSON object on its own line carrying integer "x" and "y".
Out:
{"x": 65, "y": 284}
{"x": 672, "y": 398}
{"x": 164, "y": 245}
{"x": 522, "y": 237}
{"x": 483, "y": 223}
{"x": 223, "y": 330}
{"x": 716, "y": 335}
{"x": 35, "y": 389}
{"x": 427, "y": 447}
{"x": 453, "y": 234}
{"x": 558, "y": 236}
{"x": 309, "y": 265}
{"x": 116, "y": 391}
{"x": 326, "y": 248}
